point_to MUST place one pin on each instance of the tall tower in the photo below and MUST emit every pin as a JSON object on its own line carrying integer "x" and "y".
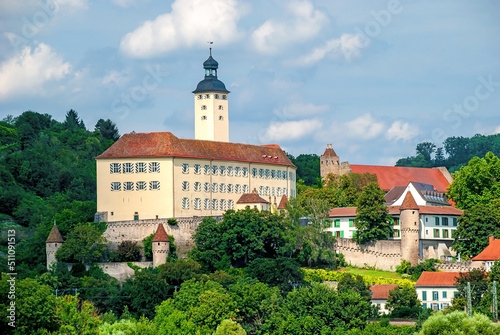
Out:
{"x": 330, "y": 162}
{"x": 410, "y": 229}
{"x": 161, "y": 246}
{"x": 211, "y": 105}
{"x": 53, "y": 242}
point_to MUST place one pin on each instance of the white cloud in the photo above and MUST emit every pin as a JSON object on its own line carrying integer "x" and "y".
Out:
{"x": 305, "y": 22}
{"x": 29, "y": 70}
{"x": 191, "y": 22}
{"x": 497, "y": 130}
{"x": 402, "y": 131}
{"x": 348, "y": 46}
{"x": 291, "y": 130}
{"x": 364, "y": 127}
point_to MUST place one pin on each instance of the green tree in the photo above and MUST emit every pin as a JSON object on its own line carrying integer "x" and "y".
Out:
{"x": 180, "y": 271}
{"x": 372, "y": 219}
{"x": 230, "y": 327}
{"x": 143, "y": 326}
{"x": 478, "y": 280}
{"x": 85, "y": 244}
{"x": 108, "y": 129}
{"x": 356, "y": 284}
{"x": 127, "y": 251}
{"x": 403, "y": 301}
{"x": 73, "y": 121}
{"x": 76, "y": 317}
{"x": 459, "y": 322}
{"x": 426, "y": 149}
{"x": 265, "y": 270}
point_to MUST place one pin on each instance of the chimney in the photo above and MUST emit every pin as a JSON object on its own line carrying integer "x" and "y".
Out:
{"x": 491, "y": 239}
{"x": 329, "y": 146}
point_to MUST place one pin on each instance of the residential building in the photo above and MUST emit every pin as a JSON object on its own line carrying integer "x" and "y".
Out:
{"x": 436, "y": 290}
{"x": 489, "y": 255}
{"x": 379, "y": 294}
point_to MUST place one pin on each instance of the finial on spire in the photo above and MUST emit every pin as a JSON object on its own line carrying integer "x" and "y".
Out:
{"x": 210, "y": 42}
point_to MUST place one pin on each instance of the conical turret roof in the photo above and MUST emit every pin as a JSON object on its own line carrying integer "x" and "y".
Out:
{"x": 329, "y": 152}
{"x": 409, "y": 202}
{"x": 54, "y": 236}
{"x": 161, "y": 234}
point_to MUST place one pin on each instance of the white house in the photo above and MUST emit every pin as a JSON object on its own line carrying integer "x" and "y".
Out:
{"x": 436, "y": 290}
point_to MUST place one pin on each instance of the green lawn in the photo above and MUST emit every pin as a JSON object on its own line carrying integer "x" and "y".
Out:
{"x": 373, "y": 273}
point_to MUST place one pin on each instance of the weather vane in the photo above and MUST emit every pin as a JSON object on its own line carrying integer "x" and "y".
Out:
{"x": 210, "y": 42}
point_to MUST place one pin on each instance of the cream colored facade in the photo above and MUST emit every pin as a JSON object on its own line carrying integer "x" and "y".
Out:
{"x": 211, "y": 116}
{"x": 184, "y": 187}
{"x": 436, "y": 298}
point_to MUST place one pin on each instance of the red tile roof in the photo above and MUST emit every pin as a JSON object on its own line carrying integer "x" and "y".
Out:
{"x": 54, "y": 236}
{"x": 409, "y": 202}
{"x": 395, "y": 210}
{"x": 329, "y": 152}
{"x": 390, "y": 176}
{"x": 251, "y": 198}
{"x": 165, "y": 144}
{"x": 490, "y": 253}
{"x": 437, "y": 279}
{"x": 161, "y": 234}
{"x": 283, "y": 202}
{"x": 382, "y": 291}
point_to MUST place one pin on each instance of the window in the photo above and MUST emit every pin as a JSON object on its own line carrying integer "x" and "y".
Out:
{"x": 185, "y": 168}
{"x": 224, "y": 97}
{"x": 222, "y": 187}
{"x": 154, "y": 167}
{"x": 254, "y": 172}
{"x": 424, "y": 305}
{"x": 424, "y": 295}
{"x": 197, "y": 186}
{"x": 140, "y": 168}
{"x": 436, "y": 221}
{"x": 278, "y": 174}
{"x": 454, "y": 222}
{"x": 268, "y": 190}
{"x": 444, "y": 295}
{"x": 339, "y": 234}
{"x": 203, "y": 107}
{"x": 185, "y": 186}
{"x": 222, "y": 170}
{"x": 444, "y": 221}
{"x": 140, "y": 186}
{"x": 221, "y": 107}
{"x": 245, "y": 172}
{"x": 216, "y": 96}
{"x": 273, "y": 191}
{"x": 214, "y": 170}
{"x": 336, "y": 223}
{"x": 278, "y": 191}
{"x": 116, "y": 186}
{"x": 261, "y": 173}
{"x": 206, "y": 169}
{"x": 396, "y": 221}
{"x": 206, "y": 187}
{"x": 215, "y": 187}
{"x": 351, "y": 223}
{"x": 268, "y": 173}
{"x": 197, "y": 169}
{"x": 197, "y": 203}
{"x": 261, "y": 190}
{"x": 292, "y": 176}
{"x": 128, "y": 167}
{"x": 200, "y": 96}
{"x": 115, "y": 168}
{"x": 154, "y": 185}
{"x": 206, "y": 203}
{"x": 237, "y": 188}
{"x": 203, "y": 117}
{"x": 230, "y": 171}
{"x": 445, "y": 233}
{"x": 435, "y": 295}
{"x": 237, "y": 171}
{"x": 207, "y": 96}
{"x": 245, "y": 188}
{"x": 222, "y": 206}
{"x": 436, "y": 232}
{"x": 396, "y": 233}
{"x": 128, "y": 186}
{"x": 230, "y": 204}
{"x": 285, "y": 175}
{"x": 221, "y": 118}
{"x": 229, "y": 188}
{"x": 285, "y": 191}
{"x": 185, "y": 203}
{"x": 215, "y": 204}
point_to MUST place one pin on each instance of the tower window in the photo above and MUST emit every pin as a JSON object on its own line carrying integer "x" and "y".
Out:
{"x": 200, "y": 96}
{"x": 204, "y": 107}
{"x": 207, "y": 96}
{"x": 204, "y": 117}
{"x": 221, "y": 118}
{"x": 216, "y": 96}
{"x": 224, "y": 97}
{"x": 221, "y": 107}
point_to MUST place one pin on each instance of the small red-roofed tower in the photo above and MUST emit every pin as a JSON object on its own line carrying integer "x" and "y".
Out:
{"x": 410, "y": 230}
{"x": 54, "y": 241}
{"x": 161, "y": 246}
{"x": 329, "y": 162}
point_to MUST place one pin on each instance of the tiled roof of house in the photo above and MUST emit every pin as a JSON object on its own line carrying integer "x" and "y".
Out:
{"x": 329, "y": 152}
{"x": 437, "y": 279}
{"x": 395, "y": 210}
{"x": 490, "y": 253}
{"x": 161, "y": 234}
{"x": 54, "y": 236}
{"x": 165, "y": 144}
{"x": 409, "y": 202}
{"x": 251, "y": 198}
{"x": 283, "y": 202}
{"x": 381, "y": 291}
{"x": 394, "y": 194}
{"x": 390, "y": 176}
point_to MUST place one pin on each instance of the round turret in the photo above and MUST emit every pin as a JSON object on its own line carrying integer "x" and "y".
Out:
{"x": 410, "y": 230}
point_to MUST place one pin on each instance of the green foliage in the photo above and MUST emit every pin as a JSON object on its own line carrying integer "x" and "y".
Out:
{"x": 147, "y": 244}
{"x": 319, "y": 275}
{"x": 308, "y": 168}
{"x": 282, "y": 272}
{"x": 459, "y": 323}
{"x": 76, "y": 317}
{"x": 84, "y": 243}
{"x": 415, "y": 271}
{"x": 143, "y": 326}
{"x": 108, "y": 129}
{"x": 355, "y": 283}
{"x": 229, "y": 327}
{"x": 127, "y": 251}
{"x": 494, "y": 273}
{"x": 403, "y": 301}
{"x": 180, "y": 271}
{"x": 478, "y": 280}
{"x": 372, "y": 219}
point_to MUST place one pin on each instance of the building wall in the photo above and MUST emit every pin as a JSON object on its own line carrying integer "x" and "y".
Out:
{"x": 383, "y": 255}
{"x": 381, "y": 304}
{"x": 410, "y": 228}
{"x": 345, "y": 227}
{"x": 209, "y": 108}
{"x": 444, "y": 230}
{"x": 436, "y": 298}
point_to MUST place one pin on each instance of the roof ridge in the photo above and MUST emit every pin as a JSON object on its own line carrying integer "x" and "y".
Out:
{"x": 161, "y": 234}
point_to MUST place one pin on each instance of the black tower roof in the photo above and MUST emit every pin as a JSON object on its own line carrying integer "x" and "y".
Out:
{"x": 210, "y": 83}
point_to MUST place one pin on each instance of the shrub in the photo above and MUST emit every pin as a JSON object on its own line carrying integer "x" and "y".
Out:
{"x": 128, "y": 251}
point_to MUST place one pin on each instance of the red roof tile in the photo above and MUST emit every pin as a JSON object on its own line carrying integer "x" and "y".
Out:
{"x": 382, "y": 291}
{"x": 395, "y": 210}
{"x": 490, "y": 253}
{"x": 251, "y": 198}
{"x": 409, "y": 202}
{"x": 342, "y": 211}
{"x": 391, "y": 176}
{"x": 161, "y": 234}
{"x": 437, "y": 279}
{"x": 283, "y": 202}
{"x": 54, "y": 236}
{"x": 165, "y": 144}
{"x": 329, "y": 152}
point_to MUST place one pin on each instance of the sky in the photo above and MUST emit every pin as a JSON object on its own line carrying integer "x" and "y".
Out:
{"x": 373, "y": 78}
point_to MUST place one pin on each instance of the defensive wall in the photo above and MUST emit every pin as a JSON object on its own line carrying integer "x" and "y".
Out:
{"x": 383, "y": 255}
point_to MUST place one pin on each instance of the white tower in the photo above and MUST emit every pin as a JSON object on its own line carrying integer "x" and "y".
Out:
{"x": 211, "y": 106}
{"x": 161, "y": 246}
{"x": 54, "y": 241}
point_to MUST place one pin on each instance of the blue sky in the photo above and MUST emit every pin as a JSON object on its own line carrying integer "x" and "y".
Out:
{"x": 374, "y": 78}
